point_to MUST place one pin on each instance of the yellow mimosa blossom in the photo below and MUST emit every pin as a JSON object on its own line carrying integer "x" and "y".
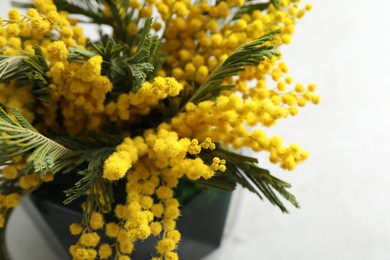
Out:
{"x": 2, "y": 221}
{"x": 116, "y": 166}
{"x": 57, "y": 51}
{"x": 152, "y": 109}
{"x": 75, "y": 229}
{"x": 11, "y": 200}
{"x": 166, "y": 245}
{"x": 155, "y": 228}
{"x": 29, "y": 181}
{"x": 10, "y": 172}
{"x": 14, "y": 15}
{"x": 89, "y": 239}
{"x": 96, "y": 221}
{"x": 112, "y": 229}
{"x": 105, "y": 251}
{"x": 123, "y": 257}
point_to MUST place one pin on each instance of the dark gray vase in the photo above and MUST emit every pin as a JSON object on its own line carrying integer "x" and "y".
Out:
{"x": 201, "y": 223}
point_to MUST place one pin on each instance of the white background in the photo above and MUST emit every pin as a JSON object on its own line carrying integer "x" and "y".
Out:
{"x": 343, "y": 188}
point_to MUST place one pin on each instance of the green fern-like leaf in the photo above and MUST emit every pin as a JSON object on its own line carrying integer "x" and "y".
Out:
{"x": 82, "y": 155}
{"x": 18, "y": 136}
{"x": 128, "y": 73}
{"x": 251, "y": 6}
{"x": 13, "y": 68}
{"x": 27, "y": 68}
{"x": 249, "y": 54}
{"x": 91, "y": 185}
{"x": 88, "y": 8}
{"x": 37, "y": 74}
{"x": 86, "y": 159}
{"x": 245, "y": 171}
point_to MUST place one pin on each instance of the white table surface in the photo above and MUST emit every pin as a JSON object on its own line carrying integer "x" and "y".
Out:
{"x": 343, "y": 188}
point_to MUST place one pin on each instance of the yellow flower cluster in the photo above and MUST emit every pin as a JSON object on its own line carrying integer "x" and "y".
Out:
{"x": 153, "y": 165}
{"x": 143, "y": 215}
{"x": 197, "y": 38}
{"x": 85, "y": 248}
{"x": 12, "y": 172}
{"x": 197, "y": 43}
{"x": 130, "y": 106}
{"x": 169, "y": 152}
{"x": 284, "y": 94}
{"x": 169, "y": 149}
{"x": 7, "y": 202}
{"x": 116, "y": 166}
{"x": 89, "y": 239}
{"x": 21, "y": 32}
{"x": 227, "y": 119}
{"x": 140, "y": 217}
{"x": 78, "y": 90}
{"x": 19, "y": 97}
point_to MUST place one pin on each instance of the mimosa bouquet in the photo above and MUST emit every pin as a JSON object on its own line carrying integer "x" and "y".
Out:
{"x": 169, "y": 93}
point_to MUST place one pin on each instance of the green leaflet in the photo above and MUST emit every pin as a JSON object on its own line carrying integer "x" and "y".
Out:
{"x": 243, "y": 170}
{"x": 252, "y": 5}
{"x": 11, "y": 67}
{"x": 249, "y": 54}
{"x": 127, "y": 73}
{"x": 92, "y": 184}
{"x": 37, "y": 74}
{"x": 19, "y": 137}
{"x": 27, "y": 68}
{"x": 249, "y": 7}
{"x": 86, "y": 157}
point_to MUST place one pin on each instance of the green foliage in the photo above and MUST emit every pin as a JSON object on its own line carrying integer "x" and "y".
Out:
{"x": 80, "y": 55}
{"x": 249, "y": 54}
{"x": 80, "y": 147}
{"x": 222, "y": 181}
{"x": 19, "y": 137}
{"x": 87, "y": 158}
{"x": 27, "y": 68}
{"x": 260, "y": 181}
{"x": 120, "y": 22}
{"x": 92, "y": 185}
{"x": 251, "y": 6}
{"x": 89, "y": 8}
{"x": 85, "y": 155}
{"x": 13, "y": 68}
{"x": 37, "y": 74}
{"x": 147, "y": 50}
{"x": 243, "y": 170}
{"x": 126, "y": 72}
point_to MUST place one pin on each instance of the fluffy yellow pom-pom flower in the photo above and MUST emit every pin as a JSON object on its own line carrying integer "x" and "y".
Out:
{"x": 116, "y": 166}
